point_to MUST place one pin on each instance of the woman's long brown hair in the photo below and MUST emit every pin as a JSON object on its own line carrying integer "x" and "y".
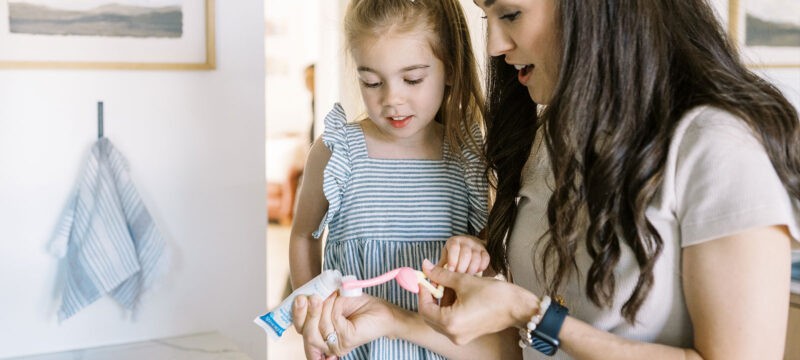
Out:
{"x": 630, "y": 69}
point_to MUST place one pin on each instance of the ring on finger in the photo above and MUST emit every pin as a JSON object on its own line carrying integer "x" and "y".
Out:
{"x": 331, "y": 339}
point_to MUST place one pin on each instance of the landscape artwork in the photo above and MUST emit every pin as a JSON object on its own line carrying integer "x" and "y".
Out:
{"x": 767, "y": 31}
{"x": 157, "y": 19}
{"x": 107, "y": 34}
{"x": 772, "y": 23}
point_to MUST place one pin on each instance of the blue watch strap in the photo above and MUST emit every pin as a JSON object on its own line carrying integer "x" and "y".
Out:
{"x": 545, "y": 337}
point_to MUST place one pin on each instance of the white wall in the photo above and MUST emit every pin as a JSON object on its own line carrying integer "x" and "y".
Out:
{"x": 194, "y": 141}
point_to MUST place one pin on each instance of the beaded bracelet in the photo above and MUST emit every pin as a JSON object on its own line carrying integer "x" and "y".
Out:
{"x": 525, "y": 339}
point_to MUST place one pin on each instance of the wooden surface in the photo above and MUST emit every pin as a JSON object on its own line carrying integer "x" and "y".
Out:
{"x": 792, "y": 350}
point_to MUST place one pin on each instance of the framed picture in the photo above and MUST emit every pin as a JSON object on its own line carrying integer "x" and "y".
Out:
{"x": 766, "y": 31}
{"x": 107, "y": 34}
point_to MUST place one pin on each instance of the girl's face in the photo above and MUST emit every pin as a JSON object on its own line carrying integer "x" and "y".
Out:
{"x": 402, "y": 83}
{"x": 525, "y": 32}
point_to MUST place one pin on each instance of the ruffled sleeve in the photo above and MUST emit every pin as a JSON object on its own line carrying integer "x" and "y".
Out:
{"x": 477, "y": 184}
{"x": 337, "y": 172}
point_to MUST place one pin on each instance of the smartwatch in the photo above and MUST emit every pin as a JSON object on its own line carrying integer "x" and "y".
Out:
{"x": 545, "y": 337}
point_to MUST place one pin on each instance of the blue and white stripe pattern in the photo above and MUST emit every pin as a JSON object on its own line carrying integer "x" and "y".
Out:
{"x": 108, "y": 241}
{"x": 389, "y": 213}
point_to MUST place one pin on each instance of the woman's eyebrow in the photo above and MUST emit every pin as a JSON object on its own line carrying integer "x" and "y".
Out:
{"x": 486, "y": 3}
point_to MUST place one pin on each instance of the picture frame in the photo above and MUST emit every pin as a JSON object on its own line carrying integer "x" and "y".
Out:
{"x": 108, "y": 34}
{"x": 767, "y": 32}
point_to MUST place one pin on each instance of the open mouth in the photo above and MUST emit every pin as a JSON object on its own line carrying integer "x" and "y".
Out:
{"x": 524, "y": 73}
{"x": 399, "y": 121}
{"x": 524, "y": 69}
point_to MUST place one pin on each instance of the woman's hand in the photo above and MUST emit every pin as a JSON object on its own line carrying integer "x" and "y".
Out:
{"x": 476, "y": 311}
{"x": 464, "y": 254}
{"x": 353, "y": 321}
{"x": 306, "y": 312}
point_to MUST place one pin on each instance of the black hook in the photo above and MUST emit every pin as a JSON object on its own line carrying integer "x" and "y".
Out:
{"x": 99, "y": 119}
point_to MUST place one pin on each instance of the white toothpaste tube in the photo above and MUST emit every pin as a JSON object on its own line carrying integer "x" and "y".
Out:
{"x": 279, "y": 319}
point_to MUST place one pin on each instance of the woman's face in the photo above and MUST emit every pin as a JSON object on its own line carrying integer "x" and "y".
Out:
{"x": 525, "y": 32}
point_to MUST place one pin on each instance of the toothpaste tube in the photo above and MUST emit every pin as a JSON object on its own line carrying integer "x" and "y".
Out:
{"x": 279, "y": 319}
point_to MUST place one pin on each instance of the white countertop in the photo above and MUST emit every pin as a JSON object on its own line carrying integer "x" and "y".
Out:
{"x": 205, "y": 346}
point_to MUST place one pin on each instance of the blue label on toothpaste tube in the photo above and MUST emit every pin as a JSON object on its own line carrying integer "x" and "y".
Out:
{"x": 278, "y": 320}
{"x": 269, "y": 320}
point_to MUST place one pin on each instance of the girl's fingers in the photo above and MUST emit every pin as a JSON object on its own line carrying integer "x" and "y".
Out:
{"x": 463, "y": 262}
{"x": 452, "y": 257}
{"x": 475, "y": 263}
{"x": 444, "y": 258}
{"x": 485, "y": 260}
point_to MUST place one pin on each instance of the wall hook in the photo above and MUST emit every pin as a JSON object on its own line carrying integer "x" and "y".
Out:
{"x": 99, "y": 119}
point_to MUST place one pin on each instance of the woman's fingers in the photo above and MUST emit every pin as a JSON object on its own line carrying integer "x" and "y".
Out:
{"x": 299, "y": 311}
{"x": 326, "y": 327}
{"x": 314, "y": 346}
{"x": 439, "y": 275}
{"x": 439, "y": 316}
{"x": 429, "y": 309}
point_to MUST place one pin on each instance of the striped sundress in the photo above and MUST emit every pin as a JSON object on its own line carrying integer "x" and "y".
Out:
{"x": 389, "y": 213}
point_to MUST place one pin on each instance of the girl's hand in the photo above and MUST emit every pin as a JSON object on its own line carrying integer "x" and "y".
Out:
{"x": 464, "y": 254}
{"x": 475, "y": 311}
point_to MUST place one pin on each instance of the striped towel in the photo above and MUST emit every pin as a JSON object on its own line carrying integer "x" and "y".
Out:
{"x": 106, "y": 239}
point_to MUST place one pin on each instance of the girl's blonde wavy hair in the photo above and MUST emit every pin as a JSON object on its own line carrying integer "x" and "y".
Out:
{"x": 462, "y": 106}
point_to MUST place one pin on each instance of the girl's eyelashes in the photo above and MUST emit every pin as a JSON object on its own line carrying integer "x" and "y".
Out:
{"x": 378, "y": 84}
{"x": 370, "y": 85}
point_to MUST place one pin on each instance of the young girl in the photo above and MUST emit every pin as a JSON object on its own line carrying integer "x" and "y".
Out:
{"x": 394, "y": 186}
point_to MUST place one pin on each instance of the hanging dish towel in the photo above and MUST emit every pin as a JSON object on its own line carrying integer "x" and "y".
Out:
{"x": 108, "y": 242}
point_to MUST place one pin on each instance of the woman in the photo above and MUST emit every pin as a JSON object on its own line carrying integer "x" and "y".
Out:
{"x": 657, "y": 193}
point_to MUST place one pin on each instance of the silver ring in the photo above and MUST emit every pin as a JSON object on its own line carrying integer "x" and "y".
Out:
{"x": 331, "y": 339}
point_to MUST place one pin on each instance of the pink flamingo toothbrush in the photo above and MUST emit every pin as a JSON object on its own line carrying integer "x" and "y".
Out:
{"x": 406, "y": 277}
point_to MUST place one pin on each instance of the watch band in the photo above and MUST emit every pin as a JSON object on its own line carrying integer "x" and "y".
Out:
{"x": 545, "y": 337}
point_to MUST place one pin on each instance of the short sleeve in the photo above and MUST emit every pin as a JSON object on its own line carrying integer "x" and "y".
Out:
{"x": 337, "y": 172}
{"x": 477, "y": 183}
{"x": 725, "y": 182}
